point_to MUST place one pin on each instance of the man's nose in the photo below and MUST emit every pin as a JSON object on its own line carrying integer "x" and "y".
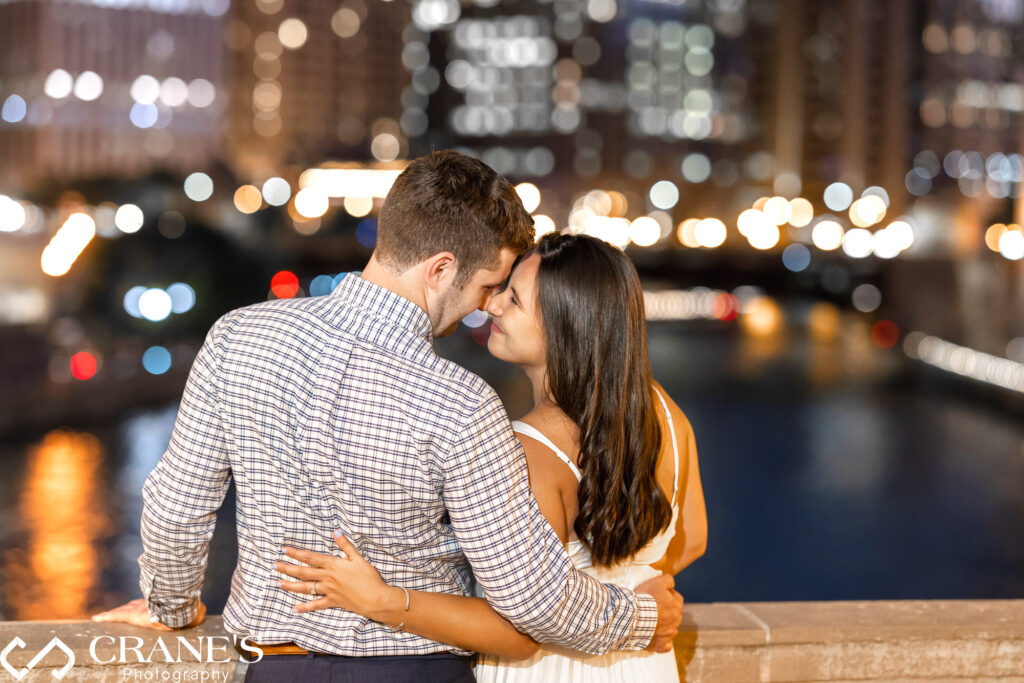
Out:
{"x": 493, "y": 303}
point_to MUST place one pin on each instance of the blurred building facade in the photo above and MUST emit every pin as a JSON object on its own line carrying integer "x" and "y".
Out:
{"x": 314, "y": 81}
{"x": 116, "y": 89}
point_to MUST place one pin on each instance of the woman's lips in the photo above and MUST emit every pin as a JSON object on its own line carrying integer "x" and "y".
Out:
{"x": 495, "y": 328}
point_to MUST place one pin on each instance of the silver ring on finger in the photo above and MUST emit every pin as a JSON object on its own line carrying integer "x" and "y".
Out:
{"x": 312, "y": 590}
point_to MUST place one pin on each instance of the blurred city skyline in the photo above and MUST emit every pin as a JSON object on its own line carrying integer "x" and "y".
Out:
{"x": 863, "y": 153}
{"x": 823, "y": 200}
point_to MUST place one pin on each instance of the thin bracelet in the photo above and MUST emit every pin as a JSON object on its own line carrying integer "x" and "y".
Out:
{"x": 402, "y": 624}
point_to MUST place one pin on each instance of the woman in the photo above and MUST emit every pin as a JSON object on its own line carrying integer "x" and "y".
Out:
{"x": 612, "y": 464}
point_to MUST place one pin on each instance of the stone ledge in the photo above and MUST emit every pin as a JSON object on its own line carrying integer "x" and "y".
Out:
{"x": 795, "y": 642}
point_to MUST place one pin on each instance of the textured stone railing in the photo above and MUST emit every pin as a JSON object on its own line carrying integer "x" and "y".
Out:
{"x": 904, "y": 641}
{"x": 893, "y": 641}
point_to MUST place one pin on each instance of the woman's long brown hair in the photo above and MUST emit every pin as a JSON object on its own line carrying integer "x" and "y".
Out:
{"x": 599, "y": 374}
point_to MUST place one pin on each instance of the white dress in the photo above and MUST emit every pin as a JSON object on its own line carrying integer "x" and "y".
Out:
{"x": 554, "y": 663}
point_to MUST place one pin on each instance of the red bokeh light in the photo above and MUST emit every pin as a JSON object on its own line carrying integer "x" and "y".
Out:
{"x": 885, "y": 334}
{"x": 284, "y": 284}
{"x": 83, "y": 365}
{"x": 726, "y": 307}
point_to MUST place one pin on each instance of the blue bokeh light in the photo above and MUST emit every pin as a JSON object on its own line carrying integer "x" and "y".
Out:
{"x": 321, "y": 285}
{"x": 796, "y": 257}
{"x": 183, "y": 297}
{"x": 131, "y": 301}
{"x": 156, "y": 360}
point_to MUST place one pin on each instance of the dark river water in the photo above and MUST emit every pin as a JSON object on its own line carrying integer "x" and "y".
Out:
{"x": 832, "y": 470}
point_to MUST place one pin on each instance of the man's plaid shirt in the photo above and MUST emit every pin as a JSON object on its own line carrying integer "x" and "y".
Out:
{"x": 334, "y": 412}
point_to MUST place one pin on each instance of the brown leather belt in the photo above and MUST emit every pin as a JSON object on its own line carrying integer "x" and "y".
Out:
{"x": 281, "y": 649}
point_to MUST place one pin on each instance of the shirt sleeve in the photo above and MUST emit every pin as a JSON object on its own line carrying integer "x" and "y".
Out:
{"x": 517, "y": 558}
{"x": 181, "y": 497}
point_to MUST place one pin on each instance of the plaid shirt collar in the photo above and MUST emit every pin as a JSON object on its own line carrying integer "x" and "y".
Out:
{"x": 384, "y": 304}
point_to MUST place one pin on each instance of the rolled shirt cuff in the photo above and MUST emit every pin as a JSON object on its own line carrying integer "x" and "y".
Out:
{"x": 175, "y": 612}
{"x": 646, "y": 623}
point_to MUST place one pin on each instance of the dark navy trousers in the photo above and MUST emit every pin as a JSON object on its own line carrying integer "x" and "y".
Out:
{"x": 313, "y": 668}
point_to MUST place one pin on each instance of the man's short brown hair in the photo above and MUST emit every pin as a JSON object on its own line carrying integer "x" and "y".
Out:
{"x": 447, "y": 201}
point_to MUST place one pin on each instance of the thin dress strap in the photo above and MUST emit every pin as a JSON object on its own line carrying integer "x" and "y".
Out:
{"x": 675, "y": 444}
{"x": 534, "y": 433}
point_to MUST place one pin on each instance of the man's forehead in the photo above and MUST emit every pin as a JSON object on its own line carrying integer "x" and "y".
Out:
{"x": 506, "y": 261}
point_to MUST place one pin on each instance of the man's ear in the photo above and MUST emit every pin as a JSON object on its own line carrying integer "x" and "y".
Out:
{"x": 440, "y": 270}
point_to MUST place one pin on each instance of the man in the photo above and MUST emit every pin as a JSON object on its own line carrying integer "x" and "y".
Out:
{"x": 334, "y": 413}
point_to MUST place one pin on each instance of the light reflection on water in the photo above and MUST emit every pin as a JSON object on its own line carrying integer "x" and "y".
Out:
{"x": 62, "y": 510}
{"x": 829, "y": 473}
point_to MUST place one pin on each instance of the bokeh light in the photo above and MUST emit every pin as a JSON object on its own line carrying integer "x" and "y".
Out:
{"x": 1011, "y": 245}
{"x": 143, "y": 115}
{"x": 131, "y": 301}
{"x": 156, "y": 360}
{"x": 529, "y": 195}
{"x": 725, "y": 307}
{"x": 867, "y": 211}
{"x": 198, "y": 187}
{"x": 129, "y": 218}
{"x": 709, "y": 233}
{"x": 838, "y": 196}
{"x": 321, "y": 285}
{"x": 778, "y": 210}
{"x": 476, "y": 319}
{"x": 827, "y": 235}
{"x": 796, "y": 257}
{"x": 183, "y": 297}
{"x": 12, "y": 214}
{"x": 686, "y": 232}
{"x": 801, "y": 212}
{"x": 644, "y": 231}
{"x": 58, "y": 84}
{"x": 248, "y": 199}
{"x": 292, "y": 33}
{"x": 664, "y": 194}
{"x": 761, "y": 317}
{"x": 542, "y": 225}
{"x": 284, "y": 284}
{"x": 858, "y": 243}
{"x": 155, "y": 304}
{"x": 885, "y": 334}
{"x": 358, "y": 206}
{"x": 14, "y": 109}
{"x": 385, "y": 147}
{"x": 67, "y": 244}
{"x": 310, "y": 202}
{"x": 88, "y": 86}
{"x": 83, "y": 365}
{"x": 992, "y": 235}
{"x": 276, "y": 191}
{"x": 866, "y": 298}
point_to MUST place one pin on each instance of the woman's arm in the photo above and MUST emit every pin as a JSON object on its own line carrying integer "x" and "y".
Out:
{"x": 352, "y": 583}
{"x": 467, "y": 623}
{"x": 691, "y": 536}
